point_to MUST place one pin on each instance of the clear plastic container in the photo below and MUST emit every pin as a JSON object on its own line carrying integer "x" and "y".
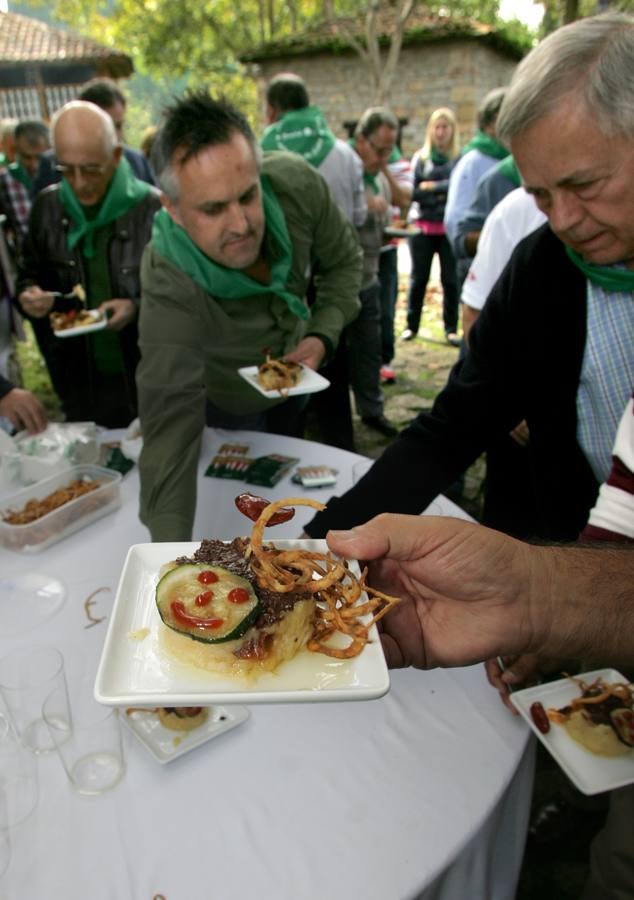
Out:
{"x": 65, "y": 519}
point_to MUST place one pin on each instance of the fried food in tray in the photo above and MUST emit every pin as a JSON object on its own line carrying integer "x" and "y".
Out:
{"x": 601, "y": 719}
{"x": 36, "y": 509}
{"x": 278, "y": 375}
{"x": 245, "y": 607}
{"x": 51, "y": 509}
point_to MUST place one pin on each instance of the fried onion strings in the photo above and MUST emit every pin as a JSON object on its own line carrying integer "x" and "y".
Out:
{"x": 337, "y": 591}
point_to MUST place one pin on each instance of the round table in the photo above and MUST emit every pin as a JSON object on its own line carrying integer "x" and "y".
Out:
{"x": 424, "y": 793}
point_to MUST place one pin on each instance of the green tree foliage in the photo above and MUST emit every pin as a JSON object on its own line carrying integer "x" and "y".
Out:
{"x": 200, "y": 42}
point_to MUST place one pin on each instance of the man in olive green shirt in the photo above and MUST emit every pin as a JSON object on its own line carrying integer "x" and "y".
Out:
{"x": 223, "y": 279}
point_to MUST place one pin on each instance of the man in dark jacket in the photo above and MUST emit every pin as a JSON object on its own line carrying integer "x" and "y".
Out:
{"x": 572, "y": 137}
{"x": 105, "y": 94}
{"x": 90, "y": 230}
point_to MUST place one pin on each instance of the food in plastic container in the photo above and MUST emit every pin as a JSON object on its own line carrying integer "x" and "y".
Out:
{"x": 83, "y": 506}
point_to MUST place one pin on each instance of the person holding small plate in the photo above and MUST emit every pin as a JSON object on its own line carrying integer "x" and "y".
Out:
{"x": 88, "y": 230}
{"x": 224, "y": 285}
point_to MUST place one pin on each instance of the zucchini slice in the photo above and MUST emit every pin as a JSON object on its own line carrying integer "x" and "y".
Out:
{"x": 207, "y": 603}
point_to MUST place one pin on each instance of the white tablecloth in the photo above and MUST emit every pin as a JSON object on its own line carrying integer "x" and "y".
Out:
{"x": 421, "y": 794}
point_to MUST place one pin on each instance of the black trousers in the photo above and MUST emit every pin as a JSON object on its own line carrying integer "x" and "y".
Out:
{"x": 422, "y": 248}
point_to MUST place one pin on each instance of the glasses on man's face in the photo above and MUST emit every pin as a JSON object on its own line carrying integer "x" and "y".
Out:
{"x": 382, "y": 152}
{"x": 89, "y": 170}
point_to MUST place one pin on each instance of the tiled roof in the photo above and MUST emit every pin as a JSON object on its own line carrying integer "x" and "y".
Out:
{"x": 26, "y": 40}
{"x": 419, "y": 27}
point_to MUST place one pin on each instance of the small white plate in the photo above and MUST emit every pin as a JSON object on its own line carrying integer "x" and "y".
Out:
{"x": 135, "y": 671}
{"x": 100, "y": 321}
{"x": 591, "y": 773}
{"x": 310, "y": 382}
{"x": 166, "y": 745}
{"x": 390, "y": 231}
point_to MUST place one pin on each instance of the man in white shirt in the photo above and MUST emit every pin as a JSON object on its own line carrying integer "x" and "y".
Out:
{"x": 515, "y": 216}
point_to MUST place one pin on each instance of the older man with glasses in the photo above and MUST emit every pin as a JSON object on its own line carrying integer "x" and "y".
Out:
{"x": 91, "y": 230}
{"x": 374, "y": 141}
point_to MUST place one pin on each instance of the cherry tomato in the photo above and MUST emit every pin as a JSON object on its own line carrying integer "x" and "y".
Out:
{"x": 204, "y": 599}
{"x": 238, "y": 595}
{"x": 179, "y": 613}
{"x": 251, "y": 507}
{"x": 540, "y": 717}
{"x": 207, "y": 577}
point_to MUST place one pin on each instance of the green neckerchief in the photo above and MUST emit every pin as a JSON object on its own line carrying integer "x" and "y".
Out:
{"x": 4, "y": 162}
{"x": 438, "y": 158}
{"x": 395, "y": 155}
{"x": 508, "y": 168}
{"x": 371, "y": 181}
{"x": 124, "y": 192}
{"x": 105, "y": 345}
{"x": 20, "y": 174}
{"x": 173, "y": 242}
{"x": 607, "y": 277}
{"x": 302, "y": 131}
{"x": 487, "y": 145}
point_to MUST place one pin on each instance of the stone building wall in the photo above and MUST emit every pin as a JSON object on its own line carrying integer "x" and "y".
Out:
{"x": 455, "y": 73}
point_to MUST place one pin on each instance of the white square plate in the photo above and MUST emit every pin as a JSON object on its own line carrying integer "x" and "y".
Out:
{"x": 310, "y": 382}
{"x": 591, "y": 773}
{"x": 134, "y": 671}
{"x": 166, "y": 745}
{"x": 100, "y": 322}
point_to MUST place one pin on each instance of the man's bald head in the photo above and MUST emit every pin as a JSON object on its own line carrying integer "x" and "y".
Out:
{"x": 83, "y": 123}
{"x": 87, "y": 149}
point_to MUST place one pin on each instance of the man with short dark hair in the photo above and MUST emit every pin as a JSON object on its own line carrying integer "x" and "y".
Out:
{"x": 224, "y": 282}
{"x": 297, "y": 127}
{"x": 482, "y": 152}
{"x": 16, "y": 183}
{"x": 105, "y": 94}
{"x": 91, "y": 230}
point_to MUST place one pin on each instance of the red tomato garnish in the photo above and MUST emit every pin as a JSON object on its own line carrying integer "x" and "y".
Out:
{"x": 204, "y": 599}
{"x": 251, "y": 507}
{"x": 207, "y": 577}
{"x": 179, "y": 613}
{"x": 238, "y": 595}
{"x": 71, "y": 314}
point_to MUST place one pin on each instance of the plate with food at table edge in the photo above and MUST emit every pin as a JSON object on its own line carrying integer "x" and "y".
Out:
{"x": 136, "y": 670}
{"x": 590, "y": 772}
{"x": 166, "y": 743}
{"x": 309, "y": 382}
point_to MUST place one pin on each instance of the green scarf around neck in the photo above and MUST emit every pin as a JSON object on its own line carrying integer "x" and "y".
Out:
{"x": 303, "y": 131}
{"x": 487, "y": 145}
{"x": 371, "y": 181}
{"x": 509, "y": 169}
{"x": 20, "y": 174}
{"x": 607, "y": 277}
{"x": 173, "y": 243}
{"x": 124, "y": 192}
{"x": 438, "y": 158}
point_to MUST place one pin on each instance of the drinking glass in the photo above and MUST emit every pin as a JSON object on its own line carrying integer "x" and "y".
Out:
{"x": 18, "y": 780}
{"x": 88, "y": 741}
{"x": 27, "y": 677}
